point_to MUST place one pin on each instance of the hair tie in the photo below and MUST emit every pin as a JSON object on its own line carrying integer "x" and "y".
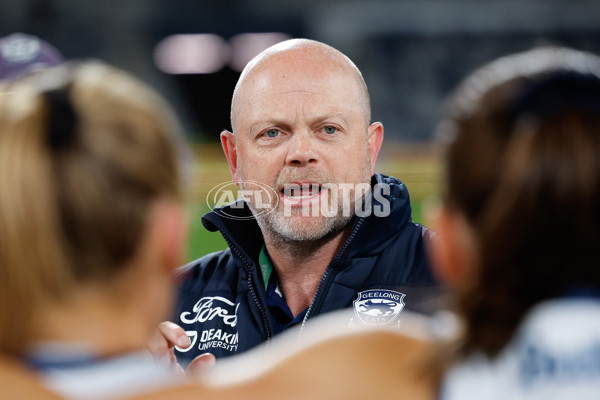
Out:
{"x": 62, "y": 118}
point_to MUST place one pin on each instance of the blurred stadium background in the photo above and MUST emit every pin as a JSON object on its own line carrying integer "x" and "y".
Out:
{"x": 411, "y": 52}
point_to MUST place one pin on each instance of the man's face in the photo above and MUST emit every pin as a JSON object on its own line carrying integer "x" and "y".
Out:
{"x": 303, "y": 135}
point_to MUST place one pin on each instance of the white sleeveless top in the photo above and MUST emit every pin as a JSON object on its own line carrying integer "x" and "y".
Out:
{"x": 555, "y": 354}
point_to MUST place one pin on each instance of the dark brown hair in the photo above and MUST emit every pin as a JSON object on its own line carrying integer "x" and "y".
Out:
{"x": 523, "y": 168}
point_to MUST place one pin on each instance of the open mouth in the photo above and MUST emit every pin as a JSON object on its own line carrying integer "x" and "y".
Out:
{"x": 301, "y": 190}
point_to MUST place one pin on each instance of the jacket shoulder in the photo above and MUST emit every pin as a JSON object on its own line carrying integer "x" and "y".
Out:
{"x": 408, "y": 249}
{"x": 218, "y": 266}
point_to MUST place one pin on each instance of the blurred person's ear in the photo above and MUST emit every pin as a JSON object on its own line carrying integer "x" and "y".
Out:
{"x": 168, "y": 229}
{"x": 452, "y": 252}
{"x": 230, "y": 149}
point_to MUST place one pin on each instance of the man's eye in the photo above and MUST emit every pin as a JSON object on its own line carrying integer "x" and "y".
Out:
{"x": 272, "y": 133}
{"x": 330, "y": 130}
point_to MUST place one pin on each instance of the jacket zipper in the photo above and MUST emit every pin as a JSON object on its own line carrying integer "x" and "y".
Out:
{"x": 326, "y": 272}
{"x": 261, "y": 309}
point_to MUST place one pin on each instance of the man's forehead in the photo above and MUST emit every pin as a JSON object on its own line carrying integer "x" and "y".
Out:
{"x": 329, "y": 81}
{"x": 299, "y": 84}
{"x": 306, "y": 112}
{"x": 309, "y": 103}
{"x": 300, "y": 90}
{"x": 293, "y": 75}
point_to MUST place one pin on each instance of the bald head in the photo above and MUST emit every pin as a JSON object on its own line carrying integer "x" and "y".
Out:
{"x": 306, "y": 59}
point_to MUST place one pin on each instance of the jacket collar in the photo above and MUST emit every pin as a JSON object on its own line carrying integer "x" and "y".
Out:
{"x": 237, "y": 224}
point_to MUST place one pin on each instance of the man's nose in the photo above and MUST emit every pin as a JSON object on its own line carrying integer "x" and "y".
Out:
{"x": 302, "y": 150}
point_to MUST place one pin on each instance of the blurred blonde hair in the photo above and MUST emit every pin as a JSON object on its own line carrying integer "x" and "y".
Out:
{"x": 74, "y": 212}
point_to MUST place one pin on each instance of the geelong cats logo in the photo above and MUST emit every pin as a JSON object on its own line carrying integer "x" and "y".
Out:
{"x": 378, "y": 307}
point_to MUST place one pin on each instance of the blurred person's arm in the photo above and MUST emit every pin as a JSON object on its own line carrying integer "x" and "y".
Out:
{"x": 325, "y": 364}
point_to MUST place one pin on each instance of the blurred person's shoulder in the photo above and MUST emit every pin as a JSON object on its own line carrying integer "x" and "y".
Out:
{"x": 555, "y": 350}
{"x": 17, "y": 382}
{"x": 342, "y": 361}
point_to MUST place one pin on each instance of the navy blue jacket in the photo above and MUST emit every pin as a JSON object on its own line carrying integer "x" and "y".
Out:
{"x": 381, "y": 268}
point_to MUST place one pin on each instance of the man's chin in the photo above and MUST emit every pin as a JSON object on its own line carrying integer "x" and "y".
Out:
{"x": 307, "y": 228}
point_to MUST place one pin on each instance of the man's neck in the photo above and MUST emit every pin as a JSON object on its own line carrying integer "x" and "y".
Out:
{"x": 300, "y": 266}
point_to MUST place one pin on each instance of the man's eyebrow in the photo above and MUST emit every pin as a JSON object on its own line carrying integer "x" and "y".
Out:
{"x": 285, "y": 124}
{"x": 326, "y": 117}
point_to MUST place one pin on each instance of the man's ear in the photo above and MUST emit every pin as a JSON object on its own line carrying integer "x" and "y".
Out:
{"x": 452, "y": 252}
{"x": 230, "y": 149}
{"x": 375, "y": 139}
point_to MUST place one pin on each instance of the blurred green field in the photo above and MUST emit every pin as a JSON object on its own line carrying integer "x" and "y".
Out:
{"x": 418, "y": 166}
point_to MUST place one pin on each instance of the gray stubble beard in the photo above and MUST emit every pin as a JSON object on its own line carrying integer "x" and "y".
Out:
{"x": 278, "y": 228}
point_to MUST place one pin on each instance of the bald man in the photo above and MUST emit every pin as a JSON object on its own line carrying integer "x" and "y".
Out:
{"x": 318, "y": 230}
